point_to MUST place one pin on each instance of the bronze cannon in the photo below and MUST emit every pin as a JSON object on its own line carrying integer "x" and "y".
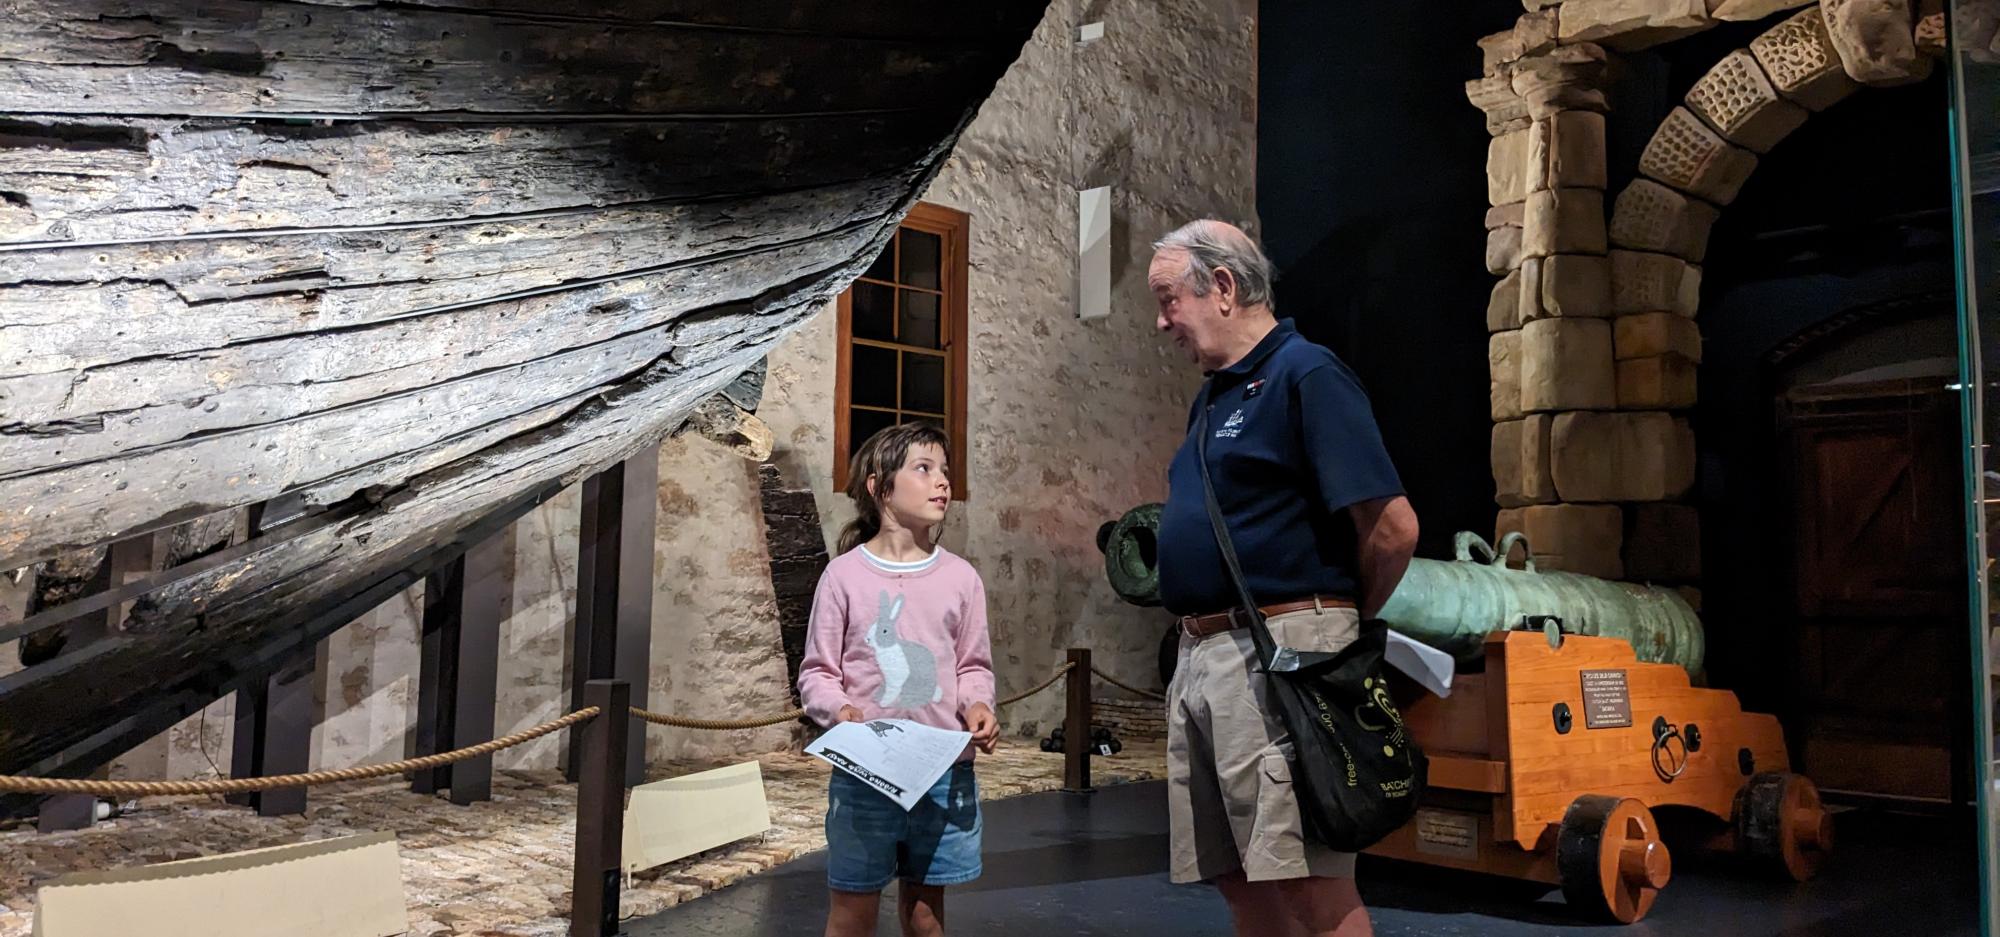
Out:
{"x": 1454, "y": 604}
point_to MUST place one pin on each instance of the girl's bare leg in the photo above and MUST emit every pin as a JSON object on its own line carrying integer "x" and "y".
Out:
{"x": 852, "y": 914}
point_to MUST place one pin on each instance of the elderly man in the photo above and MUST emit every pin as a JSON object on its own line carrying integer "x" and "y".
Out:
{"x": 1318, "y": 518}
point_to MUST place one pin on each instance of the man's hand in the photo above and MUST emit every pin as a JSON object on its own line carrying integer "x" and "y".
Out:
{"x": 850, "y": 714}
{"x": 985, "y": 728}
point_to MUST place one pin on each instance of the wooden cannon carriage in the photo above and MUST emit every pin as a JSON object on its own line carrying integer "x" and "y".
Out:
{"x": 1570, "y": 727}
{"x": 1551, "y": 764}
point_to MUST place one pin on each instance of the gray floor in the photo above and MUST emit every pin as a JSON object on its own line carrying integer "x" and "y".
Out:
{"x": 1063, "y": 865}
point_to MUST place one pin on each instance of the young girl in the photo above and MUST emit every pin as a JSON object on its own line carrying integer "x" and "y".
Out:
{"x": 898, "y": 630}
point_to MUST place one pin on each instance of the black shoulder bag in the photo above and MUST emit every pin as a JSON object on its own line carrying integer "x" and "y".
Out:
{"x": 1357, "y": 774}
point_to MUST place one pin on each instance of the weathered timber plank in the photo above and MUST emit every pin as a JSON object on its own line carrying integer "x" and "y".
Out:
{"x": 202, "y": 637}
{"x": 892, "y": 19}
{"x": 208, "y": 647}
{"x": 72, "y": 308}
{"x": 95, "y": 179}
{"x": 387, "y": 406}
{"x": 224, "y": 627}
{"x": 157, "y": 402}
{"x": 249, "y": 57}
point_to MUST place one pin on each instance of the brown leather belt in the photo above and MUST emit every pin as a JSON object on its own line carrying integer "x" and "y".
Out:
{"x": 1204, "y": 626}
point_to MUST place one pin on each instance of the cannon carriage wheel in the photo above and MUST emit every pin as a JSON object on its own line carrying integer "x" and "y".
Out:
{"x": 1781, "y": 824}
{"x": 1610, "y": 857}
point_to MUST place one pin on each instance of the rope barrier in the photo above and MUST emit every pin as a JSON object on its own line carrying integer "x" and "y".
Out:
{"x": 1129, "y": 688}
{"x": 715, "y": 725}
{"x": 21, "y": 785}
{"x": 1045, "y": 684}
{"x": 26, "y": 785}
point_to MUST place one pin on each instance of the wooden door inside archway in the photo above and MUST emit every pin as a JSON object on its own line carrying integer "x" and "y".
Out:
{"x": 1875, "y": 638}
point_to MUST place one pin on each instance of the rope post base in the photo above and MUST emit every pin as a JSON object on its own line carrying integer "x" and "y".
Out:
{"x": 600, "y": 809}
{"x": 1076, "y": 723}
{"x": 66, "y": 812}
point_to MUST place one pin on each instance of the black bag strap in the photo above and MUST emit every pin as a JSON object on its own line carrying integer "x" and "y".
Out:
{"x": 1266, "y": 647}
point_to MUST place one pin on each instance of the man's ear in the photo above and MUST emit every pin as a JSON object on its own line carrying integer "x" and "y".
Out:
{"x": 1225, "y": 287}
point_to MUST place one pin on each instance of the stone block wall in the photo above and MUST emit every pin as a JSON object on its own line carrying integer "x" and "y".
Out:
{"x": 1594, "y": 342}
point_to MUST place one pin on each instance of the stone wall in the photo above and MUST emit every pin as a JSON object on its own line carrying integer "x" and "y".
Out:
{"x": 1594, "y": 340}
{"x": 1070, "y": 422}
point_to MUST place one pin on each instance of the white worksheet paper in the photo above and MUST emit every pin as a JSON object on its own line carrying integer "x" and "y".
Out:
{"x": 900, "y": 758}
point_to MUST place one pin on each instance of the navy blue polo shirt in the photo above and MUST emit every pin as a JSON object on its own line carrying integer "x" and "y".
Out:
{"x": 1292, "y": 443}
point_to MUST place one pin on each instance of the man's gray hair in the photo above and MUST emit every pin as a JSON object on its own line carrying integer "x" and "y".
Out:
{"x": 1210, "y": 244}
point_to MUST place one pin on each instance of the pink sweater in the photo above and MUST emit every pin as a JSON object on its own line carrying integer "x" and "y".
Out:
{"x": 907, "y": 645}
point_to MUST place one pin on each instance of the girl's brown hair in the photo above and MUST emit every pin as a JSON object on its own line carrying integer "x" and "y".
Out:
{"x": 880, "y": 458}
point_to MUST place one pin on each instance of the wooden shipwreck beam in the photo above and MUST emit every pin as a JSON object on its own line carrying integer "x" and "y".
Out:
{"x": 426, "y": 262}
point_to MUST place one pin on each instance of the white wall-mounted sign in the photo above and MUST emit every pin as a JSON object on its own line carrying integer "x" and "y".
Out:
{"x": 1093, "y": 253}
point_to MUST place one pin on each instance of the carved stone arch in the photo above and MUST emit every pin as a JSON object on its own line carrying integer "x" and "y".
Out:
{"x": 1704, "y": 151}
{"x": 1594, "y": 342}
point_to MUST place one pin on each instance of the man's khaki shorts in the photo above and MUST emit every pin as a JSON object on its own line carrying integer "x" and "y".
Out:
{"x": 1230, "y": 804}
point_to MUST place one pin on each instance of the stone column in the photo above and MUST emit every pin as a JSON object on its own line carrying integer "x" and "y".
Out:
{"x": 1554, "y": 374}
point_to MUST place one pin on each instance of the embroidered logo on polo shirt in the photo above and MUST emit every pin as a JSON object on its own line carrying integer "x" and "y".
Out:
{"x": 1232, "y": 427}
{"x": 1254, "y": 388}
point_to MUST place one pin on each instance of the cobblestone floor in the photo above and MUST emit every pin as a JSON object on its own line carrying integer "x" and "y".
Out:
{"x": 496, "y": 868}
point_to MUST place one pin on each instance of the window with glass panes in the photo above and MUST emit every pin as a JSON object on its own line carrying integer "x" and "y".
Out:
{"x": 902, "y": 339}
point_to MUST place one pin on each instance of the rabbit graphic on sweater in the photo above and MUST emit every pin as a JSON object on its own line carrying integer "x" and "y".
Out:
{"x": 909, "y": 669}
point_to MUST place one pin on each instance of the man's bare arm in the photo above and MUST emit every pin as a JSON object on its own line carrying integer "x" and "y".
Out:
{"x": 1386, "y": 534}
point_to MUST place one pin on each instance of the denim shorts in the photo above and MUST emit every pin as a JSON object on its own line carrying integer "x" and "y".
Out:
{"x": 871, "y": 841}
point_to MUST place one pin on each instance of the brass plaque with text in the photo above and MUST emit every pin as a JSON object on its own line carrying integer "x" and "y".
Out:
{"x": 1607, "y": 702}
{"x": 1444, "y": 833}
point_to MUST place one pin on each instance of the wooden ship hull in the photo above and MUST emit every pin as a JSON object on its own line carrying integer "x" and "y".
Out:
{"x": 413, "y": 267}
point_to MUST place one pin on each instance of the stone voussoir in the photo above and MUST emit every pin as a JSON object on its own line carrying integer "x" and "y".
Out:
{"x": 1688, "y": 155}
{"x": 1799, "y": 57}
{"x": 1649, "y": 216}
{"x": 1743, "y": 105}
{"x": 1876, "y": 40}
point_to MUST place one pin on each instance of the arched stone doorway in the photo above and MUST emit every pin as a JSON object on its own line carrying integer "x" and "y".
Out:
{"x": 1594, "y": 328}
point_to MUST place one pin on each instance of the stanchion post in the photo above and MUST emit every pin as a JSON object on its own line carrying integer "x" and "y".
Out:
{"x": 476, "y": 678}
{"x": 614, "y": 593}
{"x": 600, "y": 809}
{"x": 1076, "y": 724}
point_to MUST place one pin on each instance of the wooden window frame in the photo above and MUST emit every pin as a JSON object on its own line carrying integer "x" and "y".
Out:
{"x": 954, "y": 230}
